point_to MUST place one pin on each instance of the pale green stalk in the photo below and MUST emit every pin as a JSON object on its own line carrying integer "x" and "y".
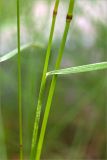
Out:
{"x": 53, "y": 83}
{"x": 19, "y": 82}
{"x": 43, "y": 82}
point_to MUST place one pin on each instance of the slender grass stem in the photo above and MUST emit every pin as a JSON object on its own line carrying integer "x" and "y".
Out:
{"x": 3, "y": 153}
{"x": 43, "y": 82}
{"x": 19, "y": 82}
{"x": 53, "y": 83}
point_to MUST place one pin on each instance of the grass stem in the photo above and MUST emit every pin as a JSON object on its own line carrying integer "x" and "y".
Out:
{"x": 53, "y": 83}
{"x": 3, "y": 153}
{"x": 19, "y": 82}
{"x": 43, "y": 82}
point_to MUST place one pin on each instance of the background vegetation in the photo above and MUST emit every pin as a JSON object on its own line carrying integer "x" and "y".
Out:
{"x": 77, "y": 122}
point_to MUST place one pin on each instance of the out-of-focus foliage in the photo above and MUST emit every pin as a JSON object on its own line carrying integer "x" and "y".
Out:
{"x": 30, "y": 83}
{"x": 77, "y": 124}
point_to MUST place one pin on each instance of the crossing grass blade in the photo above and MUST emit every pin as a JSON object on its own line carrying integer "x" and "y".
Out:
{"x": 79, "y": 69}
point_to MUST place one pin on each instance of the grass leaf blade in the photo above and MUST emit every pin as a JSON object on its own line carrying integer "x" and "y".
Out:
{"x": 79, "y": 69}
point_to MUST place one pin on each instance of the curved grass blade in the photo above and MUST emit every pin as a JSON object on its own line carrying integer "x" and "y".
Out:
{"x": 15, "y": 51}
{"x": 79, "y": 69}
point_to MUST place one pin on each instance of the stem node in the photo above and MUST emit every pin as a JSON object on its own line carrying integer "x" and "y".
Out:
{"x": 69, "y": 18}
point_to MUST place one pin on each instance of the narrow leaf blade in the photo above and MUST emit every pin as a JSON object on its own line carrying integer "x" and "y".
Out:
{"x": 79, "y": 69}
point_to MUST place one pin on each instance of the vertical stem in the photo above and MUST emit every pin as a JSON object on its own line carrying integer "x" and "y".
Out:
{"x": 43, "y": 82}
{"x": 19, "y": 81}
{"x": 3, "y": 154}
{"x": 53, "y": 83}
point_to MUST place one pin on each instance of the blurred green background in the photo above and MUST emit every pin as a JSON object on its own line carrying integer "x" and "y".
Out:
{"x": 77, "y": 122}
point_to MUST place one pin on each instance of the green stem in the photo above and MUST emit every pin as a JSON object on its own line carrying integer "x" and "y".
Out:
{"x": 3, "y": 153}
{"x": 43, "y": 82}
{"x": 19, "y": 81}
{"x": 53, "y": 83}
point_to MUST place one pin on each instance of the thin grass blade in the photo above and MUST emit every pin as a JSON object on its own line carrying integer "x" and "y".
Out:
{"x": 79, "y": 69}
